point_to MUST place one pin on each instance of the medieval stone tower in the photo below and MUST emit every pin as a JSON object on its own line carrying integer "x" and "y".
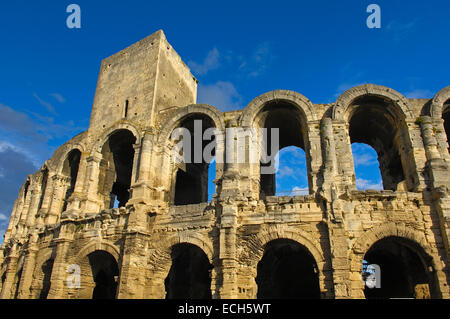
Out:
{"x": 165, "y": 240}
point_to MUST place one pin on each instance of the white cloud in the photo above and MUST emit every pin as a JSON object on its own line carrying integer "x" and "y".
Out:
{"x": 45, "y": 104}
{"x": 298, "y": 191}
{"x": 3, "y": 217}
{"x": 210, "y": 63}
{"x": 364, "y": 159}
{"x": 286, "y": 171}
{"x": 419, "y": 94}
{"x": 222, "y": 95}
{"x": 364, "y": 184}
{"x": 58, "y": 97}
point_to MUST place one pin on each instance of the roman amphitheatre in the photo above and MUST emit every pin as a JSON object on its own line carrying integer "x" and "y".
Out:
{"x": 67, "y": 239}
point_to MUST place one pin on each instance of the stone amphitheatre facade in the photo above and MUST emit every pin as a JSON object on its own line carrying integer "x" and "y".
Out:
{"x": 166, "y": 240}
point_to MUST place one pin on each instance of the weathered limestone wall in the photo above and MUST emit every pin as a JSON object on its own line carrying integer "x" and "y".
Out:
{"x": 54, "y": 228}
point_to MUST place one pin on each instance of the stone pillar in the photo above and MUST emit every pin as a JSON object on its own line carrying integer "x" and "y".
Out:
{"x": 329, "y": 147}
{"x": 227, "y": 253}
{"x": 78, "y": 194}
{"x": 28, "y": 269}
{"x": 59, "y": 272}
{"x": 33, "y": 209}
{"x": 440, "y": 177}
{"x": 134, "y": 266}
{"x": 437, "y": 168}
{"x": 47, "y": 197}
{"x": 11, "y": 271}
{"x": 59, "y": 190}
{"x": 91, "y": 203}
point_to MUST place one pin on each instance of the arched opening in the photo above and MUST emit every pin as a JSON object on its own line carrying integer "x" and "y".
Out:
{"x": 105, "y": 272}
{"x": 46, "y": 274}
{"x": 405, "y": 270}
{"x": 367, "y": 169}
{"x": 373, "y": 122}
{"x": 44, "y": 181}
{"x": 287, "y": 270}
{"x": 70, "y": 170}
{"x": 191, "y": 178}
{"x": 292, "y": 131}
{"x": 25, "y": 189}
{"x": 189, "y": 276}
{"x": 292, "y": 175}
{"x": 446, "y": 117}
{"x": 116, "y": 168}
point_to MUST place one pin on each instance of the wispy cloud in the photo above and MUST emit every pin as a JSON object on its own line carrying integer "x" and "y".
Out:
{"x": 400, "y": 30}
{"x": 210, "y": 63}
{"x": 364, "y": 184}
{"x": 419, "y": 94}
{"x": 258, "y": 62}
{"x": 45, "y": 104}
{"x": 58, "y": 97}
{"x": 222, "y": 95}
{"x": 298, "y": 191}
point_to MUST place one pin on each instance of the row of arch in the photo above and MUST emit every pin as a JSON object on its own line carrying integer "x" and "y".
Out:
{"x": 287, "y": 268}
{"x": 374, "y": 115}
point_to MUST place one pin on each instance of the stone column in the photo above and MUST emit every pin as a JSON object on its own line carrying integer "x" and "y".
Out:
{"x": 227, "y": 253}
{"x": 133, "y": 268}
{"x": 78, "y": 194}
{"x": 28, "y": 269}
{"x": 47, "y": 197}
{"x": 91, "y": 203}
{"x": 59, "y": 272}
{"x": 11, "y": 270}
{"x": 33, "y": 209}
{"x": 60, "y": 187}
{"x": 440, "y": 177}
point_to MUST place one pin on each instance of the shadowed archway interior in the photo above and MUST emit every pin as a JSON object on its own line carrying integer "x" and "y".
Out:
{"x": 373, "y": 121}
{"x": 189, "y": 276}
{"x": 105, "y": 272}
{"x": 446, "y": 118}
{"x": 291, "y": 125}
{"x": 404, "y": 268}
{"x": 116, "y": 168}
{"x": 287, "y": 270}
{"x": 191, "y": 179}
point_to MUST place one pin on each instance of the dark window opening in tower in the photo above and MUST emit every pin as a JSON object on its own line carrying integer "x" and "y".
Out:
{"x": 367, "y": 170}
{"x": 105, "y": 272}
{"x": 287, "y": 270}
{"x": 125, "y": 113}
{"x": 374, "y": 124}
{"x": 189, "y": 276}
{"x": 292, "y": 175}
{"x": 292, "y": 132}
{"x": 192, "y": 178}
{"x": 70, "y": 170}
{"x": 404, "y": 270}
{"x": 446, "y": 117}
{"x": 47, "y": 274}
{"x": 116, "y": 168}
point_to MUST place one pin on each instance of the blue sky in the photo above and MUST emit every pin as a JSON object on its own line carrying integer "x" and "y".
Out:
{"x": 237, "y": 49}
